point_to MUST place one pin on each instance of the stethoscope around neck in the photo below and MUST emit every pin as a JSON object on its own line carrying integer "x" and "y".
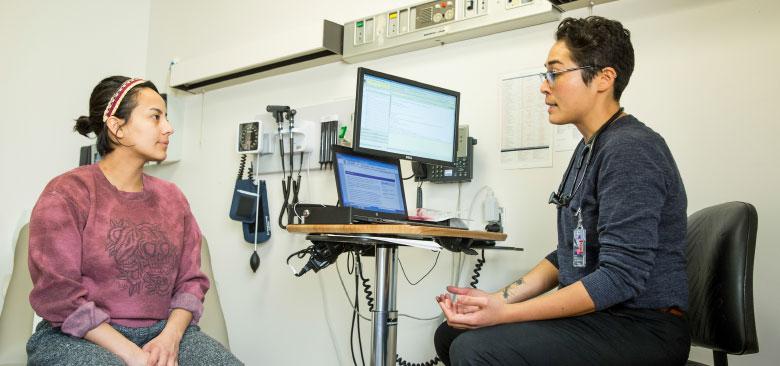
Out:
{"x": 561, "y": 198}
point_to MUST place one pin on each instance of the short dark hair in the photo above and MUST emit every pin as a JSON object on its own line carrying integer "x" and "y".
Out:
{"x": 599, "y": 42}
{"x": 101, "y": 94}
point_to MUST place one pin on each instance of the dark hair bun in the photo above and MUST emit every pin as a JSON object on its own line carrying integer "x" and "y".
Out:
{"x": 85, "y": 126}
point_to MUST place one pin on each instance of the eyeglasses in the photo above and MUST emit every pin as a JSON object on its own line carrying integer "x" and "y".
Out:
{"x": 551, "y": 75}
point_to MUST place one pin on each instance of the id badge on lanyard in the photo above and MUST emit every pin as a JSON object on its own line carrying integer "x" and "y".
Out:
{"x": 580, "y": 242}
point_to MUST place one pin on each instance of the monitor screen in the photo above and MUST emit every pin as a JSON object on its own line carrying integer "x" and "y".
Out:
{"x": 405, "y": 119}
{"x": 370, "y": 184}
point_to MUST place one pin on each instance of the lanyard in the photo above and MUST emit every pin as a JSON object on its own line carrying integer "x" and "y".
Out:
{"x": 562, "y": 199}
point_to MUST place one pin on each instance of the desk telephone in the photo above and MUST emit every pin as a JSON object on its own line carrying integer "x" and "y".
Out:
{"x": 463, "y": 171}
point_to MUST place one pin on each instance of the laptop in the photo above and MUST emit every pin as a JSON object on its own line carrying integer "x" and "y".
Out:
{"x": 372, "y": 186}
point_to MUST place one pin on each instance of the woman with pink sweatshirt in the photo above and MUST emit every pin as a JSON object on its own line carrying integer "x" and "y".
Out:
{"x": 115, "y": 253}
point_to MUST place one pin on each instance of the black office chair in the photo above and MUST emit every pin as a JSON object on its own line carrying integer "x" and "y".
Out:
{"x": 721, "y": 246}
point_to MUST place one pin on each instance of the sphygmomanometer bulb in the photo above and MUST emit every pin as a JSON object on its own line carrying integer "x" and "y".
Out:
{"x": 254, "y": 261}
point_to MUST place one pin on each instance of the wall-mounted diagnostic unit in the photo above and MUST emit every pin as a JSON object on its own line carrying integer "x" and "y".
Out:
{"x": 249, "y": 140}
{"x": 434, "y": 23}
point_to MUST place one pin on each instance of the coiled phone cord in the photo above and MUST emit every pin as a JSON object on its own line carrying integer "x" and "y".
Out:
{"x": 477, "y": 269}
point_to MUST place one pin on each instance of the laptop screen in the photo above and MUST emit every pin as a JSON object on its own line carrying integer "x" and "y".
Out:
{"x": 372, "y": 184}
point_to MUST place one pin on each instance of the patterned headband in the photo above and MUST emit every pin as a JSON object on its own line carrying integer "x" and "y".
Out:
{"x": 116, "y": 99}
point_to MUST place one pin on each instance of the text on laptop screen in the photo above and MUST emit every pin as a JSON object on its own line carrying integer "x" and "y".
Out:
{"x": 370, "y": 184}
{"x": 406, "y": 120}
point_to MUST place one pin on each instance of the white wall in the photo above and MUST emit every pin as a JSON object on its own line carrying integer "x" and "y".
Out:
{"x": 52, "y": 55}
{"x": 703, "y": 80}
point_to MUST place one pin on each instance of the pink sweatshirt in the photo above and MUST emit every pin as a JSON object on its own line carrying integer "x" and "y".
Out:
{"x": 101, "y": 255}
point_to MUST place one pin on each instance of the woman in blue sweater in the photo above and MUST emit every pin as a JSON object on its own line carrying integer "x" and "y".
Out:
{"x": 620, "y": 261}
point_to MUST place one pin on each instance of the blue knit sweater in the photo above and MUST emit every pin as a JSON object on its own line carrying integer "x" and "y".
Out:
{"x": 634, "y": 211}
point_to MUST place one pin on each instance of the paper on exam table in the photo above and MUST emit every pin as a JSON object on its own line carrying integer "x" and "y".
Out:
{"x": 423, "y": 244}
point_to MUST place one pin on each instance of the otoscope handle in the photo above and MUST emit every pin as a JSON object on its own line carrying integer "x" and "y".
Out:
{"x": 277, "y": 108}
{"x": 278, "y": 111}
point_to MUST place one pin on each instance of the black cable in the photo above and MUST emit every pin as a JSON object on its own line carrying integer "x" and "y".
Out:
{"x": 425, "y": 275}
{"x": 286, "y": 193}
{"x": 290, "y": 115}
{"x": 357, "y": 268}
{"x": 357, "y": 312}
{"x": 286, "y": 179}
{"x": 350, "y": 269}
{"x": 477, "y": 268}
{"x": 281, "y": 149}
{"x": 297, "y": 183}
{"x": 279, "y": 113}
{"x": 430, "y": 362}
{"x": 419, "y": 195}
{"x": 300, "y": 254}
{"x": 241, "y": 166}
{"x": 435, "y": 360}
{"x": 286, "y": 185}
{"x": 370, "y": 300}
{"x": 366, "y": 285}
{"x": 300, "y": 166}
{"x": 409, "y": 177}
{"x": 352, "y": 337}
{"x": 352, "y": 323}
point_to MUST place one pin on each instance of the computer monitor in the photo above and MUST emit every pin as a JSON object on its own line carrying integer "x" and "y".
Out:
{"x": 405, "y": 119}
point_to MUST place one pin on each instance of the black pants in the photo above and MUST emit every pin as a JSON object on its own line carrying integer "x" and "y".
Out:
{"x": 611, "y": 337}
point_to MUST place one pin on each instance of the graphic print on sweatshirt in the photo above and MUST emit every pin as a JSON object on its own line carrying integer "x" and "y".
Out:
{"x": 146, "y": 259}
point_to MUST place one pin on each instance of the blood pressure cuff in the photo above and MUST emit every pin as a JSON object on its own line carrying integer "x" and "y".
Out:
{"x": 243, "y": 208}
{"x": 244, "y": 205}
